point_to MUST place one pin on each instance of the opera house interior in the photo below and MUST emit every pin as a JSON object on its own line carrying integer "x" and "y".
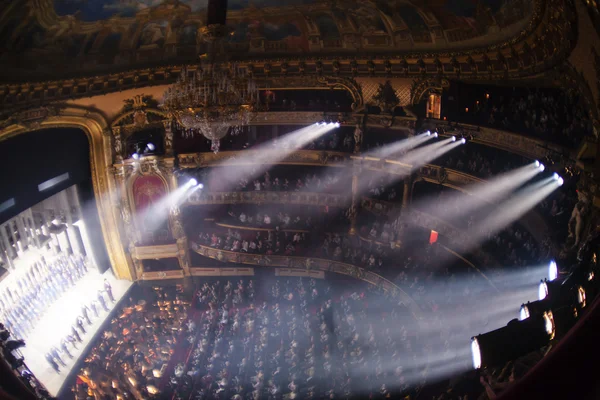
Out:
{"x": 299, "y": 199}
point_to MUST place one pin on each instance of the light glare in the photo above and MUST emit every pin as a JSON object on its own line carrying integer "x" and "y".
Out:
{"x": 552, "y": 271}
{"x": 193, "y": 182}
{"x": 542, "y": 290}
{"x": 523, "y": 313}
{"x": 476, "y": 352}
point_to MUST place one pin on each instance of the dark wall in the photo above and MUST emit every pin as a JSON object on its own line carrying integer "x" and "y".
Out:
{"x": 32, "y": 158}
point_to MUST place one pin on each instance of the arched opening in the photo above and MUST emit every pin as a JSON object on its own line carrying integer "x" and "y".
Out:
{"x": 44, "y": 164}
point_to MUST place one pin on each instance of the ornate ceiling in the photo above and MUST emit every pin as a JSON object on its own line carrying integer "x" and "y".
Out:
{"x": 49, "y": 37}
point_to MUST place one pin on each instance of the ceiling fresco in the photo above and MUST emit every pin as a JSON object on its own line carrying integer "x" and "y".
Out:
{"x": 91, "y": 35}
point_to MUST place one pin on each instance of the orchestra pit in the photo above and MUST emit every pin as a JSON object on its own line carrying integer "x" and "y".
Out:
{"x": 307, "y": 199}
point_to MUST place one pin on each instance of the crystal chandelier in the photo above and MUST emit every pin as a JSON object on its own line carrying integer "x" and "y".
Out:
{"x": 212, "y": 101}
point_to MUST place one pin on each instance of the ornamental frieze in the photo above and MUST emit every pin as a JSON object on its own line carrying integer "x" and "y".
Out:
{"x": 247, "y": 157}
{"x": 262, "y": 197}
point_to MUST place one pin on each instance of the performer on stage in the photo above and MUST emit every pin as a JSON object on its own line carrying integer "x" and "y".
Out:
{"x": 80, "y": 325}
{"x": 84, "y": 313}
{"x": 94, "y": 306}
{"x": 56, "y": 356}
{"x": 75, "y": 334}
{"x": 102, "y": 301}
{"x": 65, "y": 349}
{"x": 108, "y": 289}
{"x": 52, "y": 363}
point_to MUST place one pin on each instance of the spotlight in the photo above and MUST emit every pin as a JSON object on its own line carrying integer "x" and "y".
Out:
{"x": 337, "y": 125}
{"x": 135, "y": 156}
{"x": 536, "y": 163}
{"x": 560, "y": 181}
{"x": 542, "y": 290}
{"x": 552, "y": 270}
{"x": 435, "y": 134}
{"x": 427, "y": 133}
{"x": 568, "y": 292}
{"x": 542, "y": 167}
{"x": 555, "y": 176}
{"x": 454, "y": 138}
{"x": 193, "y": 182}
{"x": 200, "y": 186}
{"x": 463, "y": 140}
{"x": 151, "y": 146}
{"x": 516, "y": 339}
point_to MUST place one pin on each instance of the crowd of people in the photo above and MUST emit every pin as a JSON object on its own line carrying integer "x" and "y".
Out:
{"x": 22, "y": 305}
{"x": 293, "y": 339}
{"x": 277, "y": 339}
{"x": 339, "y": 139}
{"x": 130, "y": 357}
{"x": 71, "y": 342}
{"x": 549, "y": 114}
{"x": 481, "y": 161}
{"x": 276, "y": 180}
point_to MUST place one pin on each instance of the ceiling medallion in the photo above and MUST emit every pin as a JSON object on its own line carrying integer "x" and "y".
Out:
{"x": 213, "y": 100}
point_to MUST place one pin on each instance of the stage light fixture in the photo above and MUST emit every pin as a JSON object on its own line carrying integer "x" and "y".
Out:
{"x": 542, "y": 290}
{"x": 337, "y": 124}
{"x": 560, "y": 181}
{"x": 581, "y": 299}
{"x": 427, "y": 133}
{"x": 151, "y": 146}
{"x": 200, "y": 186}
{"x": 135, "y": 156}
{"x": 435, "y": 134}
{"x": 542, "y": 167}
{"x": 454, "y": 138}
{"x": 463, "y": 140}
{"x": 536, "y": 163}
{"x": 516, "y": 339}
{"x": 552, "y": 270}
{"x": 558, "y": 320}
{"x": 193, "y": 182}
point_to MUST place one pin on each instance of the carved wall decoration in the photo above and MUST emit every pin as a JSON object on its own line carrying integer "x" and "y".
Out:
{"x": 422, "y": 87}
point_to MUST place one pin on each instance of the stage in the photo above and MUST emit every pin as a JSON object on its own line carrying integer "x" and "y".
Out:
{"x": 57, "y": 321}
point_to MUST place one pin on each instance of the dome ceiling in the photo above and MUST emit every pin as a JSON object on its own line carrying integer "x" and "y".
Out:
{"x": 102, "y": 35}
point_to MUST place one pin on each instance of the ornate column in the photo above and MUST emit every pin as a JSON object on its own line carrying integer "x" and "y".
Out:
{"x": 407, "y": 193}
{"x": 177, "y": 226}
{"x": 168, "y": 138}
{"x": 117, "y": 144}
{"x": 353, "y": 210}
{"x": 138, "y": 266}
{"x": 122, "y": 205}
{"x": 358, "y": 138}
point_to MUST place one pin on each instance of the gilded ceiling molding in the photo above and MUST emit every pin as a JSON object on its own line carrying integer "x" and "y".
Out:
{"x": 519, "y": 57}
{"x": 96, "y": 128}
